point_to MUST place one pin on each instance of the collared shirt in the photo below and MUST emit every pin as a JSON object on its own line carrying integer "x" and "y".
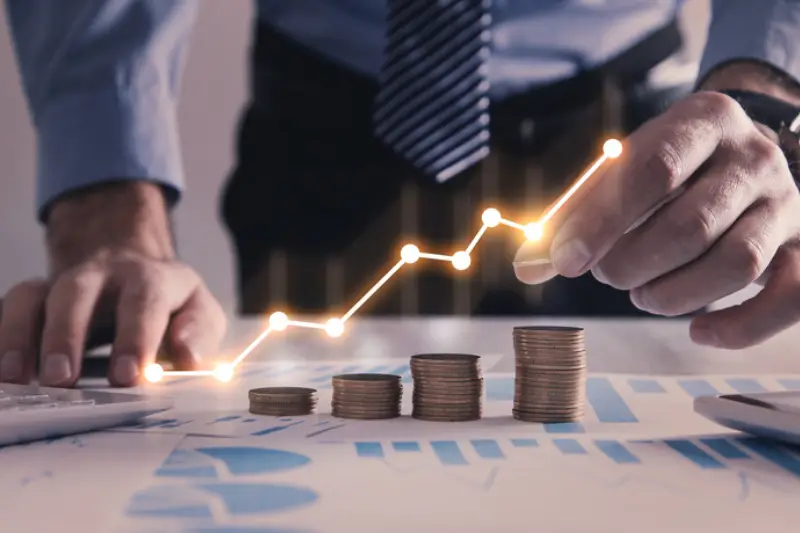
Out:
{"x": 102, "y": 76}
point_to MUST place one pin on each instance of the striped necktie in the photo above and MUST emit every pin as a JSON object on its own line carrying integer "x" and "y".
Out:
{"x": 432, "y": 107}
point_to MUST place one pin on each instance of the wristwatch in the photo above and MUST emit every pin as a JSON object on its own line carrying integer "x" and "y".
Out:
{"x": 778, "y": 115}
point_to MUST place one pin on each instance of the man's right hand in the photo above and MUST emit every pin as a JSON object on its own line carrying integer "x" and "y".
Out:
{"x": 112, "y": 266}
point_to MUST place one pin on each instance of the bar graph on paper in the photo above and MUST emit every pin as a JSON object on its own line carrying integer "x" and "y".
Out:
{"x": 711, "y": 453}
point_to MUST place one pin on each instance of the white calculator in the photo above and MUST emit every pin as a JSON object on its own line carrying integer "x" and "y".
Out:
{"x": 31, "y": 412}
{"x": 774, "y": 415}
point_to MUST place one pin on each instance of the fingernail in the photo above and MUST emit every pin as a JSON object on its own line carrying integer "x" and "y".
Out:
{"x": 126, "y": 369}
{"x": 11, "y": 366}
{"x": 534, "y": 274}
{"x": 704, "y": 335}
{"x": 56, "y": 369}
{"x": 597, "y": 272}
{"x": 531, "y": 254}
{"x": 571, "y": 257}
{"x": 641, "y": 300}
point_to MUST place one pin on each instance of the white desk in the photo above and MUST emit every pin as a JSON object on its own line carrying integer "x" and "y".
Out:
{"x": 640, "y": 460}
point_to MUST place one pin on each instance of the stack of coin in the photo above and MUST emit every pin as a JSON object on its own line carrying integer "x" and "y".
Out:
{"x": 447, "y": 387}
{"x": 282, "y": 401}
{"x": 367, "y": 396}
{"x": 550, "y": 377}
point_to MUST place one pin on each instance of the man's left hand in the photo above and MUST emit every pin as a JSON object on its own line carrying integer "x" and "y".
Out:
{"x": 733, "y": 218}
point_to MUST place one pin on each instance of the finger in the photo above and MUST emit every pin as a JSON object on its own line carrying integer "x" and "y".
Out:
{"x": 682, "y": 230}
{"x": 196, "y": 330}
{"x": 532, "y": 263}
{"x": 775, "y": 308}
{"x": 733, "y": 263}
{"x": 68, "y": 315}
{"x": 661, "y": 156}
{"x": 20, "y": 326}
{"x": 149, "y": 295}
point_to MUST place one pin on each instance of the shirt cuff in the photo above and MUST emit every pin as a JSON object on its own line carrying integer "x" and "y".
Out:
{"x": 763, "y": 31}
{"x": 90, "y": 137}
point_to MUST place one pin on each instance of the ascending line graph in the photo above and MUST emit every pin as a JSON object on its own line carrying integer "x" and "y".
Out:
{"x": 409, "y": 254}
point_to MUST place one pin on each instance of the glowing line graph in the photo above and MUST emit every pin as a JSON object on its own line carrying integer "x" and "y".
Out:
{"x": 409, "y": 254}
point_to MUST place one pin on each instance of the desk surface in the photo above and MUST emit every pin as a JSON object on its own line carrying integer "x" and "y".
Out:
{"x": 640, "y": 459}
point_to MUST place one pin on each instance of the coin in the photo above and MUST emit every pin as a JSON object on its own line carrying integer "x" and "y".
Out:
{"x": 282, "y": 401}
{"x": 448, "y": 387}
{"x": 366, "y": 396}
{"x": 550, "y": 373}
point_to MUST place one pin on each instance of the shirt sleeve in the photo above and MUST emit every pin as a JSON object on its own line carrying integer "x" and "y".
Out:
{"x": 101, "y": 78}
{"x": 763, "y": 30}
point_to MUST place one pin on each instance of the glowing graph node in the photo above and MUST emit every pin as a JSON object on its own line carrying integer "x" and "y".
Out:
{"x": 409, "y": 254}
{"x": 533, "y": 231}
{"x": 278, "y": 321}
{"x": 612, "y": 148}
{"x": 334, "y": 327}
{"x": 491, "y": 218}
{"x": 461, "y": 260}
{"x": 154, "y": 373}
{"x": 224, "y": 372}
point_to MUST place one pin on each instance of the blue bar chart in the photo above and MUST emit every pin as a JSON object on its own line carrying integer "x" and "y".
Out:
{"x": 697, "y": 387}
{"x": 711, "y": 453}
{"x": 646, "y": 386}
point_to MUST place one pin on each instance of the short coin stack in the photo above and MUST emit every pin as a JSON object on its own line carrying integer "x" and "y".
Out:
{"x": 447, "y": 387}
{"x": 550, "y": 377}
{"x": 282, "y": 401}
{"x": 367, "y": 396}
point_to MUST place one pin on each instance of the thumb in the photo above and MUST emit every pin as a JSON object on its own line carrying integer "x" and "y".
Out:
{"x": 532, "y": 264}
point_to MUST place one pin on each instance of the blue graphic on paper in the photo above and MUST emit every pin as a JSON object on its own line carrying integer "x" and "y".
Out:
{"x": 239, "y": 461}
{"x": 202, "y": 471}
{"x": 238, "y": 499}
{"x": 711, "y": 453}
{"x": 646, "y": 386}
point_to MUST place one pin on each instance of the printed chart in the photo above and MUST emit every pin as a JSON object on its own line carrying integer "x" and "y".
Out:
{"x": 692, "y": 484}
{"x": 640, "y": 460}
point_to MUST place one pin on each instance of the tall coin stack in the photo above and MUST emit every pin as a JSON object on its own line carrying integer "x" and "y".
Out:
{"x": 367, "y": 396}
{"x": 550, "y": 377}
{"x": 447, "y": 387}
{"x": 282, "y": 401}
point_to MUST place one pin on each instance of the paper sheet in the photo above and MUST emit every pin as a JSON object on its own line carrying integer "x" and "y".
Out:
{"x": 553, "y": 484}
{"x": 641, "y": 460}
{"x": 84, "y": 480}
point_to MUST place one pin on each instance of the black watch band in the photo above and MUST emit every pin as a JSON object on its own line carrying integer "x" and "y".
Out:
{"x": 772, "y": 112}
{"x": 778, "y": 115}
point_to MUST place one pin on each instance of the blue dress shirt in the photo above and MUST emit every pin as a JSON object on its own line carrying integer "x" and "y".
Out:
{"x": 102, "y": 76}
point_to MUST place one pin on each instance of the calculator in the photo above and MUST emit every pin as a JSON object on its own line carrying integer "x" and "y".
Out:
{"x": 31, "y": 412}
{"x": 773, "y": 415}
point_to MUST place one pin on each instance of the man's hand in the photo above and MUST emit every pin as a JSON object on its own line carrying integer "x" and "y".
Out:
{"x": 733, "y": 218}
{"x": 112, "y": 267}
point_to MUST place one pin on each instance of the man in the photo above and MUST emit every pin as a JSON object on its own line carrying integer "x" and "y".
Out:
{"x": 102, "y": 81}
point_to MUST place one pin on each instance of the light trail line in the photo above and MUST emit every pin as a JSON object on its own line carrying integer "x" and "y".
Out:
{"x": 409, "y": 254}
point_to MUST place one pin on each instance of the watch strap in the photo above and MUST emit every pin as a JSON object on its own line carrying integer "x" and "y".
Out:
{"x": 778, "y": 115}
{"x": 772, "y": 112}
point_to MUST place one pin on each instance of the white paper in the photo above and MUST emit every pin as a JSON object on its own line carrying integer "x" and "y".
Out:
{"x": 668, "y": 470}
{"x": 473, "y": 485}
{"x": 83, "y": 480}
